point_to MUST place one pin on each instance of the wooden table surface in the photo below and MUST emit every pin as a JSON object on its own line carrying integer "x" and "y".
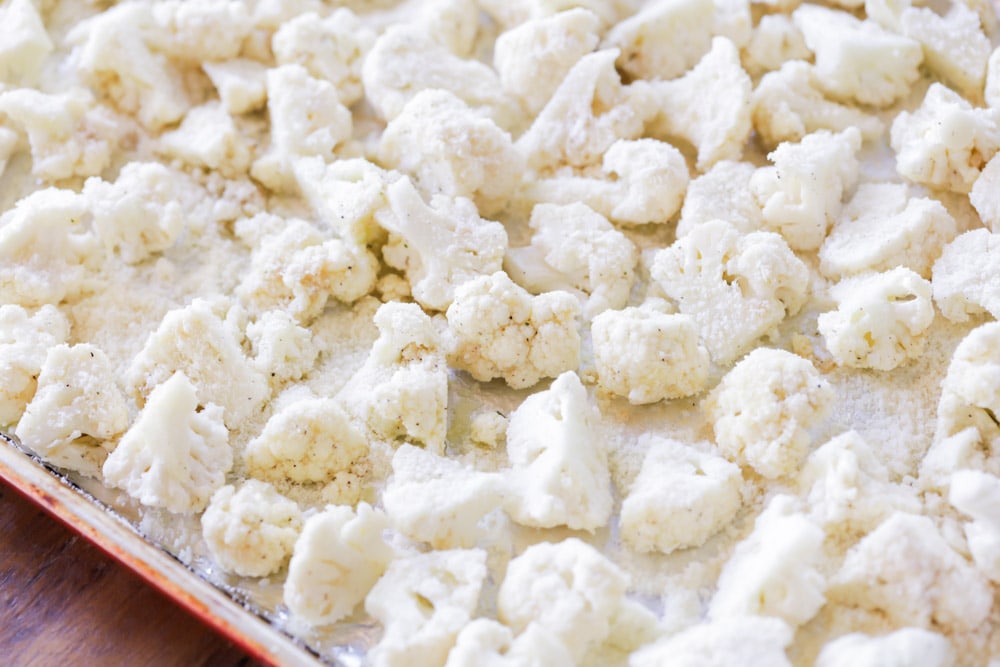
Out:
{"x": 64, "y": 603}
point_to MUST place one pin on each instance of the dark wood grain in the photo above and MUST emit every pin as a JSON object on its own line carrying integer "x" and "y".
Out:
{"x": 64, "y": 602}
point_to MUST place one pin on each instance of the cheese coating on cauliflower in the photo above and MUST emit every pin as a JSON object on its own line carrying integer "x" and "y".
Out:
{"x": 423, "y": 602}
{"x": 801, "y": 194}
{"x": 337, "y": 558}
{"x": 977, "y": 494}
{"x": 681, "y": 497}
{"x": 735, "y": 287}
{"x": 970, "y": 392}
{"x": 721, "y": 193}
{"x": 945, "y": 142}
{"x": 497, "y": 329}
{"x": 906, "y": 572}
{"x": 559, "y": 468}
{"x": 751, "y": 641}
{"x": 648, "y": 356}
{"x": 763, "y": 407}
{"x": 176, "y": 454}
{"x": 25, "y": 339}
{"x": 251, "y": 531}
{"x": 77, "y": 409}
{"x": 966, "y": 277}
{"x": 24, "y": 43}
{"x": 908, "y": 647}
{"x": 567, "y": 588}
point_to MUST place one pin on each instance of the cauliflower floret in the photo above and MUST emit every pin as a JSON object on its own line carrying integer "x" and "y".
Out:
{"x": 644, "y": 183}
{"x": 966, "y": 277}
{"x": 906, "y": 572}
{"x": 436, "y": 500}
{"x": 964, "y": 450}
{"x": 763, "y": 407}
{"x": 970, "y": 392}
{"x": 983, "y": 195}
{"x": 24, "y": 44}
{"x": 736, "y": 288}
{"x": 750, "y": 641}
{"x": 801, "y": 194}
{"x": 945, "y": 142}
{"x": 648, "y": 356}
{"x": 401, "y": 391}
{"x": 46, "y": 254}
{"x": 857, "y": 60}
{"x": 991, "y": 90}
{"x": 450, "y": 149}
{"x": 567, "y": 588}
{"x": 208, "y": 137}
{"x": 664, "y": 39}
{"x": 241, "y": 84}
{"x": 307, "y": 441}
{"x": 486, "y": 643}
{"x": 774, "y": 42}
{"x": 307, "y": 118}
{"x": 787, "y": 105}
{"x": 534, "y": 58}
{"x": 681, "y": 497}
{"x": 882, "y": 227}
{"x": 589, "y": 111}
{"x": 511, "y": 13}
{"x": 709, "y": 106}
{"x": 207, "y": 349}
{"x": 774, "y": 571}
{"x": 908, "y": 647}
{"x": 176, "y": 454}
{"x": 977, "y": 494}
{"x": 955, "y": 47}
{"x": 76, "y": 409}
{"x": 488, "y": 428}
{"x": 337, "y": 559}
{"x": 880, "y": 320}
{"x": 8, "y": 147}
{"x": 69, "y": 136}
{"x": 559, "y": 468}
{"x": 332, "y": 49}
{"x": 297, "y": 268}
{"x": 453, "y": 23}
{"x": 440, "y": 246}
{"x": 202, "y": 31}
{"x": 282, "y": 350}
{"x": 251, "y": 531}
{"x": 423, "y": 602}
{"x": 24, "y": 342}
{"x": 575, "y": 248}
{"x": 721, "y": 193}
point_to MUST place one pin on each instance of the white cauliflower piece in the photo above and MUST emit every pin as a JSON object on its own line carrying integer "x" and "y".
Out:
{"x": 453, "y": 23}
{"x": 331, "y": 48}
{"x": 439, "y": 246}
{"x": 763, "y": 408}
{"x": 282, "y": 350}
{"x": 880, "y": 321}
{"x": 801, "y": 194}
{"x": 337, "y": 559}
{"x": 970, "y": 392}
{"x": 307, "y": 118}
{"x": 906, "y": 572}
{"x": 663, "y": 39}
{"x": 198, "y": 342}
{"x": 681, "y": 497}
{"x": 964, "y": 450}
{"x": 589, "y": 111}
{"x": 774, "y": 571}
{"x": 648, "y": 356}
{"x": 857, "y": 60}
{"x": 883, "y": 227}
{"x": 991, "y": 89}
{"x": 401, "y": 391}
{"x": 451, "y": 149}
{"x": 487, "y": 643}
{"x": 77, "y": 408}
{"x": 68, "y": 134}
{"x": 25, "y": 339}
{"x": 511, "y": 13}
{"x": 307, "y": 441}
{"x": 241, "y": 84}
{"x": 574, "y": 248}
{"x": 176, "y": 454}
{"x": 983, "y": 195}
{"x": 774, "y": 41}
{"x": 24, "y": 43}
{"x": 955, "y": 47}
{"x": 488, "y": 428}
{"x": 908, "y": 647}
{"x": 559, "y": 468}
{"x": 966, "y": 277}
{"x": 46, "y": 252}
{"x": 423, "y": 602}
{"x": 567, "y": 588}
{"x": 533, "y": 58}
{"x": 298, "y": 268}
{"x": 946, "y": 142}
{"x": 193, "y": 33}
{"x": 977, "y": 495}
{"x": 709, "y": 106}
{"x": 787, "y": 105}
{"x": 735, "y": 287}
{"x": 750, "y": 641}
{"x": 644, "y": 183}
{"x": 208, "y": 137}
{"x": 251, "y": 531}
{"x": 721, "y": 193}
{"x": 433, "y": 499}
{"x": 8, "y": 147}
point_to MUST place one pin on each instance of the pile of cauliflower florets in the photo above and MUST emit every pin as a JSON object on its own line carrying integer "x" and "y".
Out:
{"x": 459, "y": 316}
